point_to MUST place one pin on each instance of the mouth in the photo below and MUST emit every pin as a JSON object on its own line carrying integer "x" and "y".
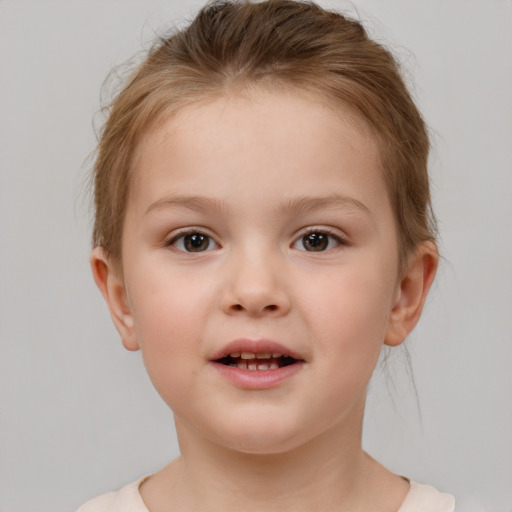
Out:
{"x": 257, "y": 364}
{"x": 257, "y": 361}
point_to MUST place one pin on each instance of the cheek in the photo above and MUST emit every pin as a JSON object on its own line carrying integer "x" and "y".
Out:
{"x": 167, "y": 303}
{"x": 169, "y": 315}
{"x": 349, "y": 315}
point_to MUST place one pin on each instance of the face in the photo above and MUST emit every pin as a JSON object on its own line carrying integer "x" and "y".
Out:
{"x": 259, "y": 269}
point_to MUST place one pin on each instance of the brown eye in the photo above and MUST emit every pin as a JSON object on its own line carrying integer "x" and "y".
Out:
{"x": 194, "y": 242}
{"x": 317, "y": 241}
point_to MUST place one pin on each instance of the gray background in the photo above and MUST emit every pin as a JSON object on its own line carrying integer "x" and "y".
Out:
{"x": 78, "y": 414}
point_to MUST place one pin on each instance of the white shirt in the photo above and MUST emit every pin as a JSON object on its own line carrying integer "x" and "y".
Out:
{"x": 420, "y": 498}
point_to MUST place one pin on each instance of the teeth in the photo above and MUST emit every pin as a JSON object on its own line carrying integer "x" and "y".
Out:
{"x": 255, "y": 364}
{"x": 255, "y": 361}
{"x": 252, "y": 355}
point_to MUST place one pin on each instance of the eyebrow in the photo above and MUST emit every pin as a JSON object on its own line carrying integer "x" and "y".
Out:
{"x": 196, "y": 203}
{"x": 307, "y": 204}
{"x": 298, "y": 205}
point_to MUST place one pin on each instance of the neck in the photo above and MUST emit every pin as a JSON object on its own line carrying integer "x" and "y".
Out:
{"x": 330, "y": 472}
{"x": 294, "y": 480}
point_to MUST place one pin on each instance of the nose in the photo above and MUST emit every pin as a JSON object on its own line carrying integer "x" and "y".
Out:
{"x": 255, "y": 287}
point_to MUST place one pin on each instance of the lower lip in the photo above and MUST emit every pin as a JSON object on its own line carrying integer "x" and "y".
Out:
{"x": 258, "y": 379}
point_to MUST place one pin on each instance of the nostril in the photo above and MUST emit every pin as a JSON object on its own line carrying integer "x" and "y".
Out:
{"x": 266, "y": 309}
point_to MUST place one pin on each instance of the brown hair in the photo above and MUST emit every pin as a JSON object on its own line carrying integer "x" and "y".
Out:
{"x": 233, "y": 44}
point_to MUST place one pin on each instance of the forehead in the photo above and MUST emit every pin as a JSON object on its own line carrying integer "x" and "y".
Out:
{"x": 281, "y": 143}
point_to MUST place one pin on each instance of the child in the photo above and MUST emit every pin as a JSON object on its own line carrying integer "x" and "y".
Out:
{"x": 262, "y": 228}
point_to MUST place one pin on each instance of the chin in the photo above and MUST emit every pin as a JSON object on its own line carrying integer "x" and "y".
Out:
{"x": 261, "y": 437}
{"x": 259, "y": 446}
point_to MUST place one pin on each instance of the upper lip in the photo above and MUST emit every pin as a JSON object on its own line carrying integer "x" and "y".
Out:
{"x": 259, "y": 346}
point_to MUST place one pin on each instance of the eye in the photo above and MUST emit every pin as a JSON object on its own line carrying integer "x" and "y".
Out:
{"x": 317, "y": 241}
{"x": 193, "y": 242}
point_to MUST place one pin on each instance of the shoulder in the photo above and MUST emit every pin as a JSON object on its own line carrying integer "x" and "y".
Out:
{"x": 425, "y": 498}
{"x": 127, "y": 499}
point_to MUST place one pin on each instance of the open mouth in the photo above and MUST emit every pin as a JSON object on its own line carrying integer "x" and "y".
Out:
{"x": 255, "y": 361}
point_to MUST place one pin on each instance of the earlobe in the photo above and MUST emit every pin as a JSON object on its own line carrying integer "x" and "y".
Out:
{"x": 412, "y": 292}
{"x": 113, "y": 290}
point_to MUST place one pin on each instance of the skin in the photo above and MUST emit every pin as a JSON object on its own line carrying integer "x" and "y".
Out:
{"x": 255, "y": 174}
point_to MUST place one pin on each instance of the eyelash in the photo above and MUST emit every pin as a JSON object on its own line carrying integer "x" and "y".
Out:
{"x": 321, "y": 231}
{"x": 311, "y": 231}
{"x": 183, "y": 234}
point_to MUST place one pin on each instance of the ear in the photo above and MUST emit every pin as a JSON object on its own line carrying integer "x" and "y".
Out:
{"x": 411, "y": 293}
{"x": 113, "y": 290}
